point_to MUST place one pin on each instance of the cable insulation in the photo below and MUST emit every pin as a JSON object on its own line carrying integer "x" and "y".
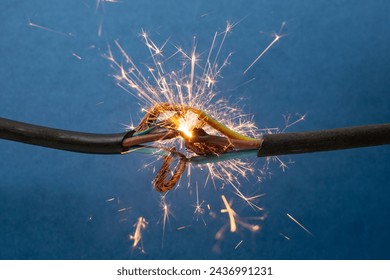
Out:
{"x": 272, "y": 144}
{"x": 63, "y": 139}
{"x": 325, "y": 140}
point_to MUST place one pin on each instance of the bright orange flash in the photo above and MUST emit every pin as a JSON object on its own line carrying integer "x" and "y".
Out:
{"x": 187, "y": 123}
{"x": 184, "y": 127}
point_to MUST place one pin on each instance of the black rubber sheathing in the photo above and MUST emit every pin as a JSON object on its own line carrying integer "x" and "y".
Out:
{"x": 325, "y": 140}
{"x": 63, "y": 139}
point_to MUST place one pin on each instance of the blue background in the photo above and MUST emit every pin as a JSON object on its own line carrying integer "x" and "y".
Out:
{"x": 334, "y": 65}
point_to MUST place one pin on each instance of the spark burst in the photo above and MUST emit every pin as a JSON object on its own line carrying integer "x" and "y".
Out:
{"x": 192, "y": 85}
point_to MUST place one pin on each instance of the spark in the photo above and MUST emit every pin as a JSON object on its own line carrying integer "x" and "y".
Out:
{"x": 282, "y": 164}
{"x": 165, "y": 218}
{"x": 77, "y": 56}
{"x": 285, "y": 236}
{"x": 249, "y": 200}
{"x": 243, "y": 84}
{"x": 289, "y": 123}
{"x": 183, "y": 227}
{"x": 238, "y": 245}
{"x": 231, "y": 213}
{"x": 220, "y": 232}
{"x": 124, "y": 209}
{"x": 193, "y": 62}
{"x": 183, "y": 127}
{"x": 299, "y": 224}
{"x": 199, "y": 210}
{"x": 101, "y": 3}
{"x": 100, "y": 29}
{"x": 186, "y": 123}
{"x": 48, "y": 29}
{"x": 139, "y": 227}
{"x": 276, "y": 38}
{"x": 192, "y": 85}
{"x": 235, "y": 220}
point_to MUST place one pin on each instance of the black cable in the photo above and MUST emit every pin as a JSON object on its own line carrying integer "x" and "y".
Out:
{"x": 273, "y": 144}
{"x": 325, "y": 140}
{"x": 63, "y": 139}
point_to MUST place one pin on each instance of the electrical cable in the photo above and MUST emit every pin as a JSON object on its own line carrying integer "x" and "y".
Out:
{"x": 325, "y": 140}
{"x": 63, "y": 139}
{"x": 272, "y": 144}
{"x": 153, "y": 113}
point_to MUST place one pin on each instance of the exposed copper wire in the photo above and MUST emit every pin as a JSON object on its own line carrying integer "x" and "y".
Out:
{"x": 219, "y": 143}
{"x": 153, "y": 113}
{"x": 200, "y": 142}
{"x": 161, "y": 182}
